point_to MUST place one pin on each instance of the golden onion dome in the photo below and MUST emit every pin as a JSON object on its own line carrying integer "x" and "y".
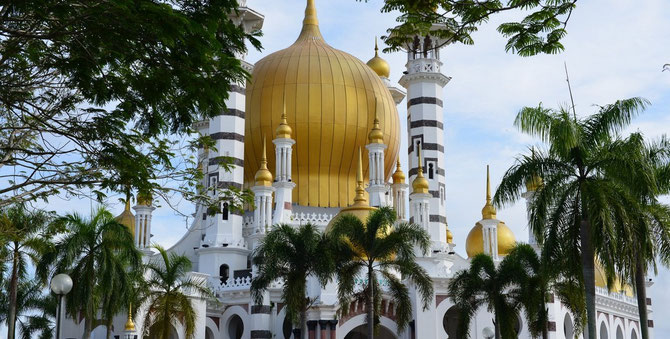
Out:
{"x": 263, "y": 176}
{"x": 330, "y": 102}
{"x": 450, "y": 237}
{"x": 379, "y": 65}
{"x": 127, "y": 218}
{"x": 283, "y": 131}
{"x": 420, "y": 183}
{"x": 398, "y": 175}
{"x": 130, "y": 325}
{"x": 474, "y": 243}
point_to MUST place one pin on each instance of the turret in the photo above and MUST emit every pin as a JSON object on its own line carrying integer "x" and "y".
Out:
{"x": 143, "y": 215}
{"x": 263, "y": 196}
{"x": 399, "y": 188}
{"x": 378, "y": 188}
{"x": 283, "y": 182}
{"x": 419, "y": 200}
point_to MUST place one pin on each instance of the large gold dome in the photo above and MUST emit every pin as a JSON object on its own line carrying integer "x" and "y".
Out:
{"x": 330, "y": 104}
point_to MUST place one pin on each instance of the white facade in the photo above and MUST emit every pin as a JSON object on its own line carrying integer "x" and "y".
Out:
{"x": 220, "y": 245}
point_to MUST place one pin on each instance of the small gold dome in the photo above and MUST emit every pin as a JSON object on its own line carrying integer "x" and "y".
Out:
{"x": 127, "y": 218}
{"x": 263, "y": 176}
{"x": 130, "y": 325}
{"x": 420, "y": 184}
{"x": 376, "y": 136}
{"x": 534, "y": 184}
{"x": 398, "y": 175}
{"x": 284, "y": 131}
{"x": 379, "y": 65}
{"x": 144, "y": 199}
{"x": 474, "y": 243}
{"x": 450, "y": 237}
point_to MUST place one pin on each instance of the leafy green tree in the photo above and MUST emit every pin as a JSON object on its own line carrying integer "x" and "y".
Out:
{"x": 380, "y": 248}
{"x": 35, "y": 310}
{"x": 540, "y": 30}
{"x": 168, "y": 291}
{"x": 26, "y": 237}
{"x": 583, "y": 194}
{"x": 292, "y": 255}
{"x": 647, "y": 236}
{"x": 99, "y": 249}
{"x": 90, "y": 91}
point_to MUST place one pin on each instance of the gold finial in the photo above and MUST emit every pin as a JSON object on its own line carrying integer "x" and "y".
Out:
{"x": 130, "y": 326}
{"x": 310, "y": 25}
{"x": 379, "y": 65}
{"x": 398, "y": 176}
{"x": 376, "y": 136}
{"x": 284, "y": 131}
{"x": 420, "y": 184}
{"x": 488, "y": 212}
{"x": 360, "y": 199}
{"x": 263, "y": 176}
{"x": 450, "y": 237}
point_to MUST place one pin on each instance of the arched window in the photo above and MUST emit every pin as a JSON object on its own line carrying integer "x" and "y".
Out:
{"x": 224, "y": 273}
{"x": 568, "y": 327}
{"x": 225, "y": 211}
{"x": 619, "y": 333}
{"x": 430, "y": 171}
{"x": 603, "y": 331}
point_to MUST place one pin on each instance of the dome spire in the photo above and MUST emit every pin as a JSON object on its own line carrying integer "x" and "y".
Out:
{"x": 420, "y": 184}
{"x": 263, "y": 176}
{"x": 488, "y": 212}
{"x": 398, "y": 176}
{"x": 284, "y": 131}
{"x": 310, "y": 24}
{"x": 379, "y": 65}
{"x": 376, "y": 136}
{"x": 130, "y": 326}
{"x": 360, "y": 199}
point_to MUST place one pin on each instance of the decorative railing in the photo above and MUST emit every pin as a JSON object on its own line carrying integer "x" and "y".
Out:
{"x": 424, "y": 65}
{"x": 318, "y": 219}
{"x": 619, "y": 296}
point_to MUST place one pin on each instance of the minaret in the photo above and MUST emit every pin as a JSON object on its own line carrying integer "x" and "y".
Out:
{"x": 490, "y": 222}
{"x": 425, "y": 83}
{"x": 283, "y": 183}
{"x": 263, "y": 196}
{"x": 399, "y": 188}
{"x": 419, "y": 200}
{"x": 378, "y": 188}
{"x": 143, "y": 212}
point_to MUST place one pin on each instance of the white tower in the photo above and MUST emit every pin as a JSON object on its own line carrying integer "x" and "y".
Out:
{"x": 262, "y": 197}
{"x": 419, "y": 200}
{"x": 399, "y": 188}
{"x": 143, "y": 211}
{"x": 378, "y": 188}
{"x": 424, "y": 83}
{"x": 283, "y": 183}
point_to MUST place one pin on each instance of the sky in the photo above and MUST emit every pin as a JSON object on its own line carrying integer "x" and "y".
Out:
{"x": 614, "y": 49}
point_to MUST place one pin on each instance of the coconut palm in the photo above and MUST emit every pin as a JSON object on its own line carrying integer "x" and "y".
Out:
{"x": 380, "y": 248}
{"x": 292, "y": 255}
{"x": 25, "y": 235}
{"x": 168, "y": 295}
{"x": 100, "y": 249}
{"x": 582, "y": 193}
{"x": 35, "y": 310}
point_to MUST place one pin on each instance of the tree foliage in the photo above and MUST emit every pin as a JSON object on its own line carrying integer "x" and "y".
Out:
{"x": 540, "y": 29}
{"x": 91, "y": 90}
{"x": 380, "y": 249}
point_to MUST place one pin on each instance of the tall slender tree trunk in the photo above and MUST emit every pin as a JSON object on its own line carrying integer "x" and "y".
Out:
{"x": 641, "y": 291}
{"x": 369, "y": 305}
{"x": 496, "y": 326}
{"x": 588, "y": 273}
{"x": 13, "y": 287}
{"x": 88, "y": 327}
{"x": 303, "y": 324}
{"x": 109, "y": 328}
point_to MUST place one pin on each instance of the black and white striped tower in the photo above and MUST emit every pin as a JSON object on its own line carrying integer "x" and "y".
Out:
{"x": 222, "y": 247}
{"x": 424, "y": 83}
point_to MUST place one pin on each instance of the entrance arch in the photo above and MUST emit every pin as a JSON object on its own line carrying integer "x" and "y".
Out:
{"x": 361, "y": 332}
{"x": 235, "y": 327}
{"x": 450, "y": 322}
{"x": 387, "y": 328}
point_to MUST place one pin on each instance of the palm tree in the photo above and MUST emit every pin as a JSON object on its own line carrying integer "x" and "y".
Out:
{"x": 292, "y": 255}
{"x": 650, "y": 237}
{"x": 380, "y": 248}
{"x": 168, "y": 295}
{"x": 35, "y": 311}
{"x": 100, "y": 249}
{"x": 582, "y": 194}
{"x": 25, "y": 234}
{"x": 484, "y": 285}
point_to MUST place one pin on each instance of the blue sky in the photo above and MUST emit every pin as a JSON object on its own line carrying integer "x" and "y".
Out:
{"x": 615, "y": 49}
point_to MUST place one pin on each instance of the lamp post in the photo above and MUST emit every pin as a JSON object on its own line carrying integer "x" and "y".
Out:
{"x": 61, "y": 285}
{"x": 488, "y": 333}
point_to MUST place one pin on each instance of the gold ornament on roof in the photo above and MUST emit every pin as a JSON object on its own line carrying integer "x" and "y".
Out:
{"x": 360, "y": 208}
{"x": 420, "y": 184}
{"x": 488, "y": 212}
{"x": 263, "y": 176}
{"x": 330, "y": 98}
{"x": 127, "y": 218}
{"x": 450, "y": 237}
{"x": 398, "y": 175}
{"x": 379, "y": 65}
{"x": 376, "y": 135}
{"x": 130, "y": 326}
{"x": 284, "y": 131}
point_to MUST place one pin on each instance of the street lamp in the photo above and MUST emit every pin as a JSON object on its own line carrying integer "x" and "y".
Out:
{"x": 61, "y": 285}
{"x": 488, "y": 333}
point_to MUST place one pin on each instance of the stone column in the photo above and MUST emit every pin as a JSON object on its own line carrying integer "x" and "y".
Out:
{"x": 323, "y": 326}
{"x": 333, "y": 329}
{"x": 311, "y": 329}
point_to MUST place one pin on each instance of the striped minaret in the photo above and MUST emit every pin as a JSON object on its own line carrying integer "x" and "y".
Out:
{"x": 424, "y": 83}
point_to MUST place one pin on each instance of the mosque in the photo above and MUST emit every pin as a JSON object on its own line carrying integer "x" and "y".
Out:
{"x": 316, "y": 133}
